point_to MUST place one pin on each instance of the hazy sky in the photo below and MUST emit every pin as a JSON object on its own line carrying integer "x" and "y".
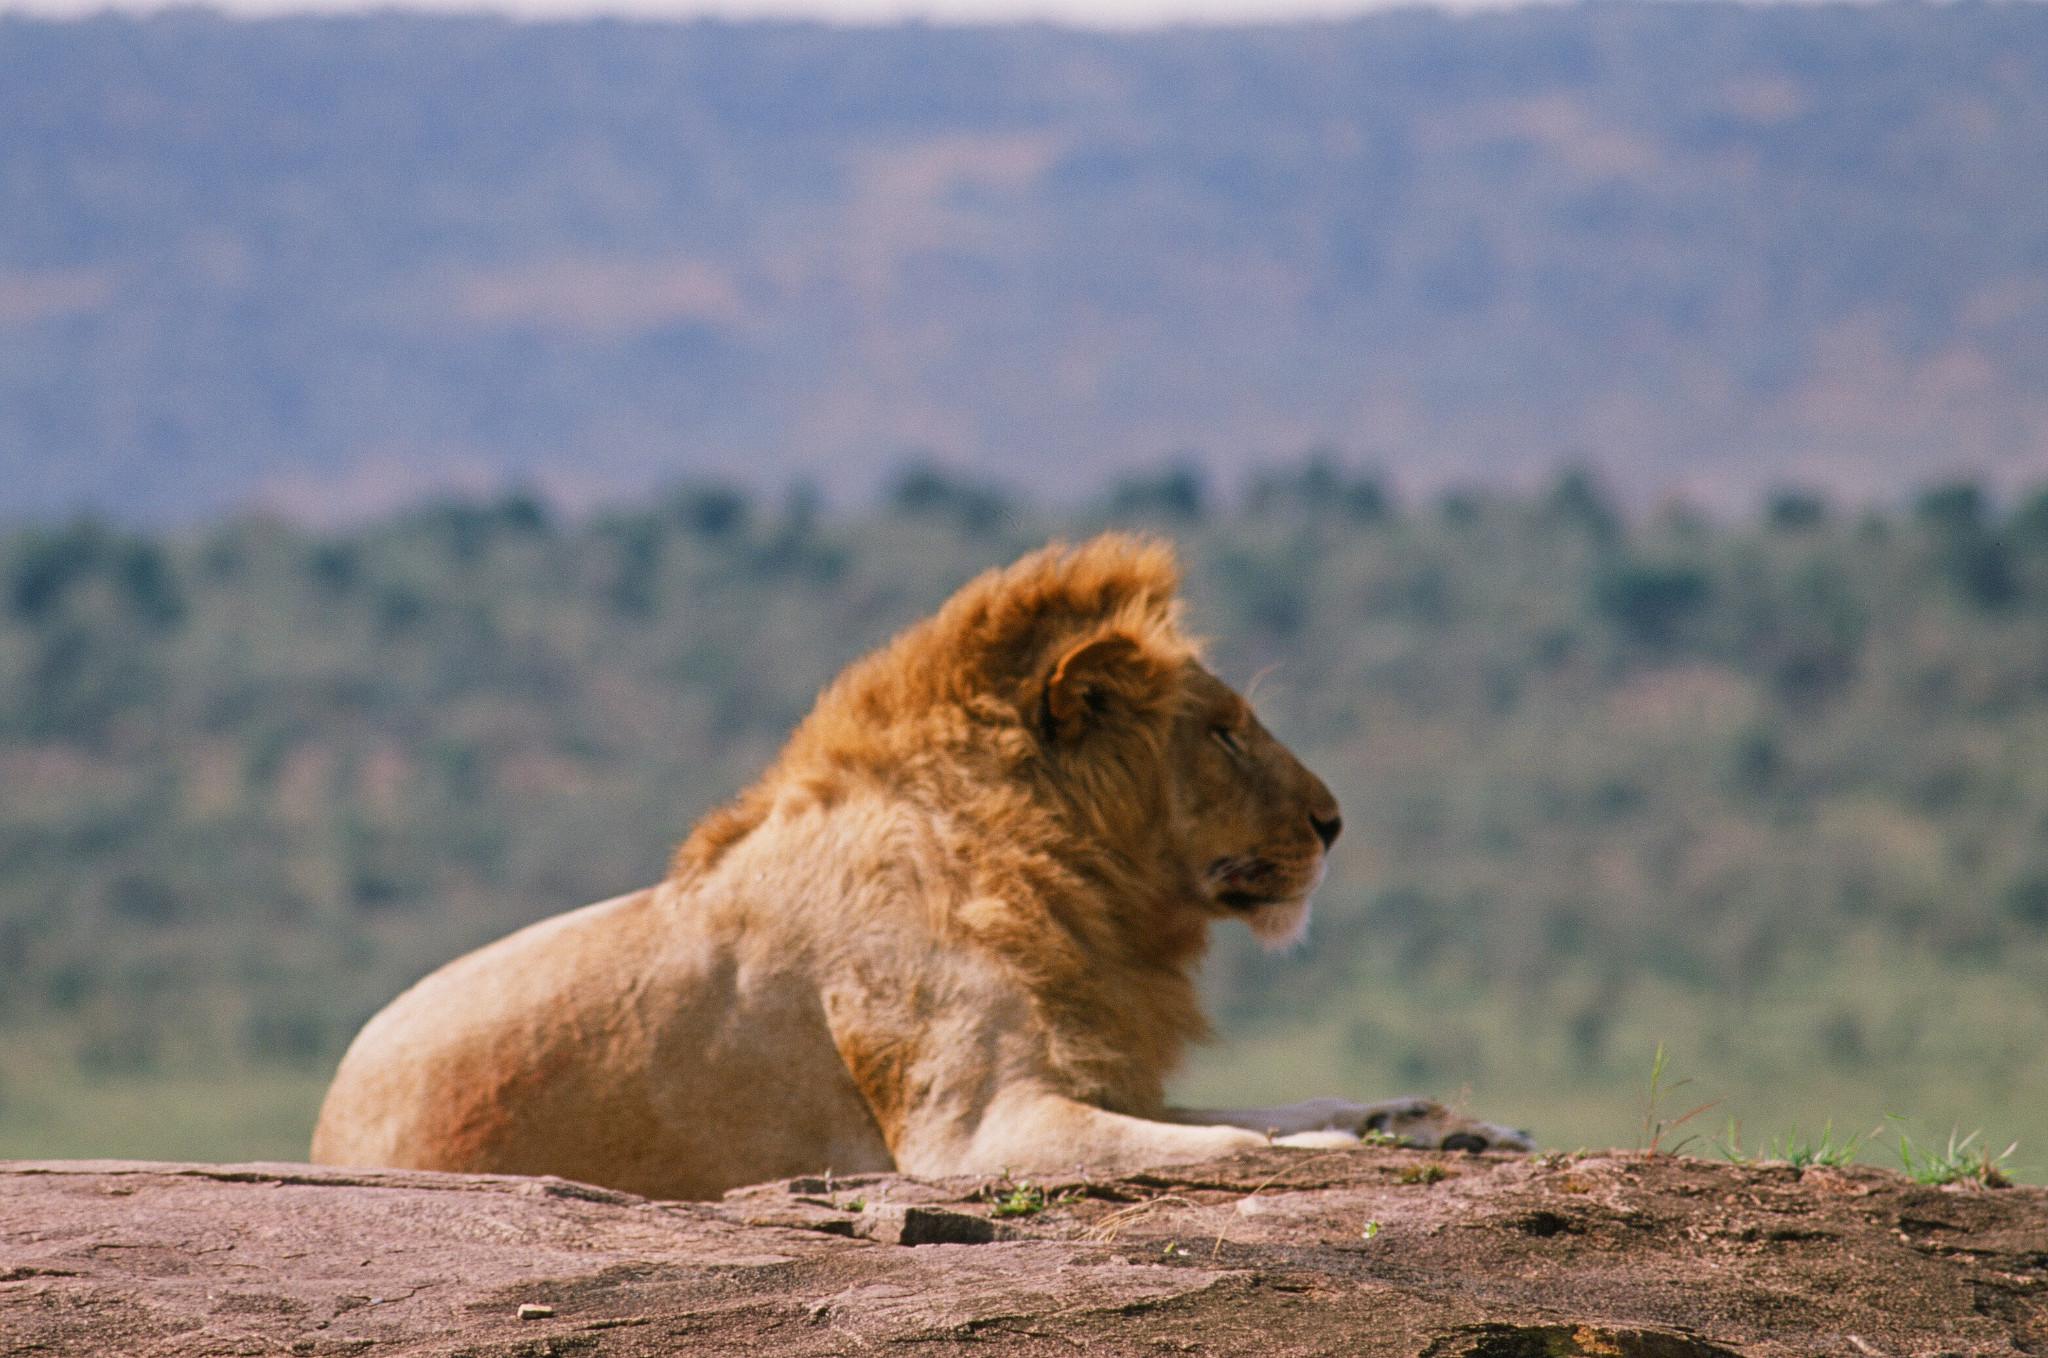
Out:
{"x": 1095, "y": 13}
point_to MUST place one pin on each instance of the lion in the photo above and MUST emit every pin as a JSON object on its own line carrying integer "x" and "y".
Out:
{"x": 951, "y": 930}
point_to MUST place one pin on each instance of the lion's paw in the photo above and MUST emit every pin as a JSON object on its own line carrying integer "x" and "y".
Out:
{"x": 1425, "y": 1124}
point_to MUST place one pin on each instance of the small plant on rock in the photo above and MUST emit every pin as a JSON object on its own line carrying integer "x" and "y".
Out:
{"x": 1656, "y": 1127}
{"x": 1959, "y": 1161}
{"x": 1009, "y": 1197}
{"x": 1426, "y": 1173}
{"x": 1794, "y": 1150}
{"x": 1022, "y": 1200}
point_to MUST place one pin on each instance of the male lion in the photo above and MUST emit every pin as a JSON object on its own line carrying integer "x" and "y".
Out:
{"x": 949, "y": 931}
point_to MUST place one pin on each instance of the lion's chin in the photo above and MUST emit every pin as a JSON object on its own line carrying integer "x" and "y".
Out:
{"x": 1281, "y": 924}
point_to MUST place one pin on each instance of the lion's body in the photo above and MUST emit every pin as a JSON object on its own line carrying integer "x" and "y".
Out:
{"x": 617, "y": 1044}
{"x": 951, "y": 930}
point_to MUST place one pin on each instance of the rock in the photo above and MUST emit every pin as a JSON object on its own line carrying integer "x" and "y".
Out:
{"x": 897, "y": 1224}
{"x": 1615, "y": 1255}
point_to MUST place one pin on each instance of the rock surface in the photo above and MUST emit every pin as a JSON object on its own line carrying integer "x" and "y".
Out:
{"x": 1368, "y": 1251}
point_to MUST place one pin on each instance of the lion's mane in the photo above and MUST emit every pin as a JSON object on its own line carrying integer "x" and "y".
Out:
{"x": 1054, "y": 843}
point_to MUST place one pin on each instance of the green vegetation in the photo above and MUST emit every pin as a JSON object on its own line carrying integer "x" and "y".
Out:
{"x": 1777, "y": 792}
{"x": 1656, "y": 1126}
{"x": 1425, "y": 1173}
{"x": 1025, "y": 1199}
{"x": 1793, "y": 1149}
{"x": 1959, "y": 1160}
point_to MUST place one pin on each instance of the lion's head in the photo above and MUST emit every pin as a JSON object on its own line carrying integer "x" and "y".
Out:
{"x": 1130, "y": 721}
{"x": 1237, "y": 823}
{"x": 1253, "y": 823}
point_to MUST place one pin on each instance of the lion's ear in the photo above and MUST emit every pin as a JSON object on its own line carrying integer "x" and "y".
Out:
{"x": 1105, "y": 674}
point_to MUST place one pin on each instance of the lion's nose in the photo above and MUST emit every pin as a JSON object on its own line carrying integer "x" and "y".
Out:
{"x": 1326, "y": 830}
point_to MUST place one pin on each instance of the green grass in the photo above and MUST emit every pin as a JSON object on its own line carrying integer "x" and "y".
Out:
{"x": 1793, "y": 1149}
{"x": 1018, "y": 1200}
{"x": 1945, "y": 1056}
{"x": 217, "y": 1118}
{"x": 1657, "y": 1126}
{"x": 1961, "y": 1159}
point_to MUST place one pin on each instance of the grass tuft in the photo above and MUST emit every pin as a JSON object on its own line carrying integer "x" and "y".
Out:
{"x": 1961, "y": 1160}
{"x": 1426, "y": 1173}
{"x": 1655, "y": 1126}
{"x": 1019, "y": 1198}
{"x": 1794, "y": 1150}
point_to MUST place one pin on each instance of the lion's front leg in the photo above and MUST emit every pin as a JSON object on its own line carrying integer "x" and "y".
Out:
{"x": 1028, "y": 1129}
{"x": 1417, "y": 1122}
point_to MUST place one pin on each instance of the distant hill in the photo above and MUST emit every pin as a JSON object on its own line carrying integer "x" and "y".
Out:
{"x": 332, "y": 264}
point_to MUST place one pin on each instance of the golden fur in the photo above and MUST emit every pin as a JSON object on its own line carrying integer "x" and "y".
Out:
{"x": 951, "y": 929}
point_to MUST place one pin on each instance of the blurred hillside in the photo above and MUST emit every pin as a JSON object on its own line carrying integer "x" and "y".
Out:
{"x": 1774, "y": 794}
{"x": 334, "y": 263}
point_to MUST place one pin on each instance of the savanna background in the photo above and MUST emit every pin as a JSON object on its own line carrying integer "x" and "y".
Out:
{"x": 440, "y": 457}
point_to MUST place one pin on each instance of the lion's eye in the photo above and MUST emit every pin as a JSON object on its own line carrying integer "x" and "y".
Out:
{"x": 1228, "y": 740}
